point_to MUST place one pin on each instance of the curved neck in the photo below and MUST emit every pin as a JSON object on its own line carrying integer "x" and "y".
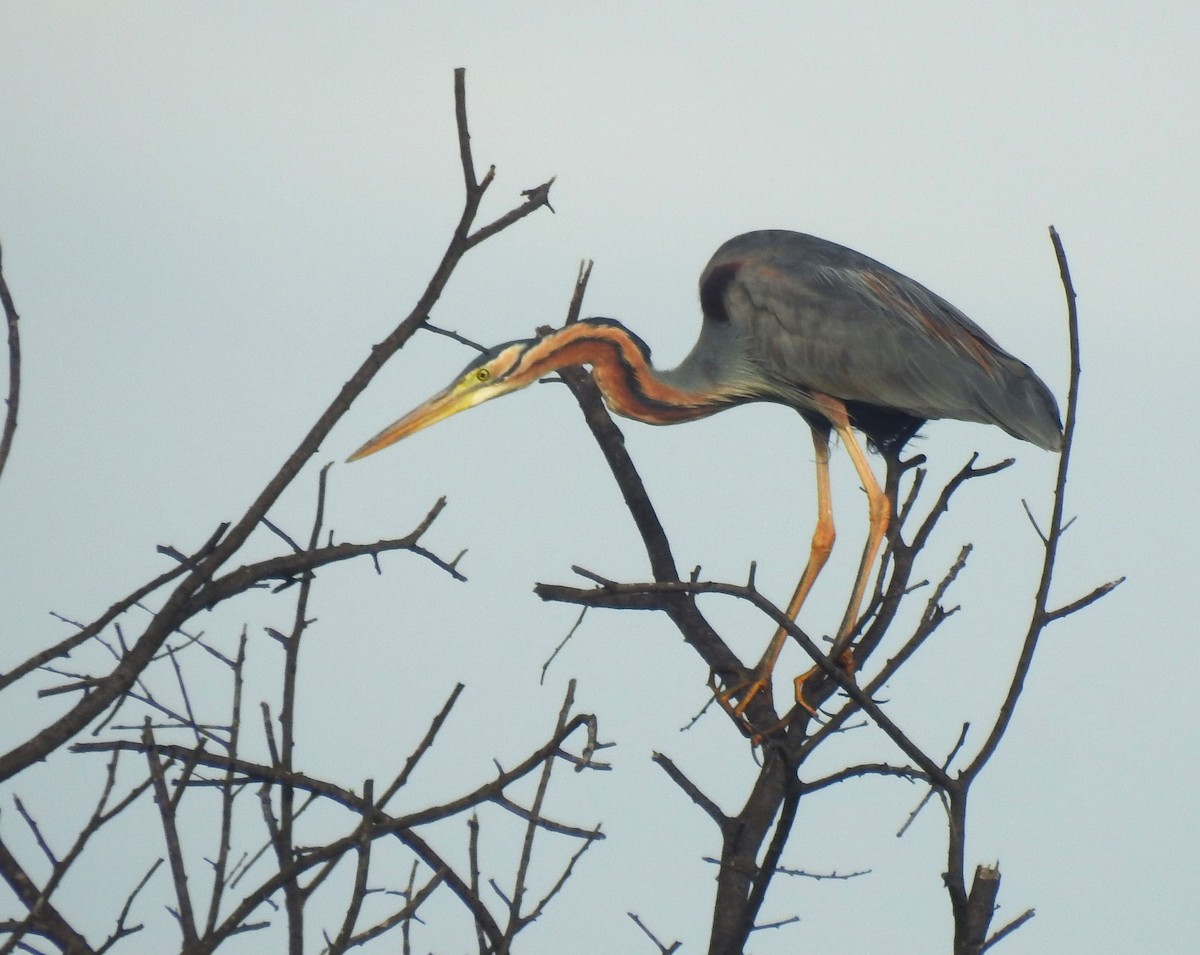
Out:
{"x": 620, "y": 363}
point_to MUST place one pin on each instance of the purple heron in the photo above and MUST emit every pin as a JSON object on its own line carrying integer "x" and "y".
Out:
{"x": 849, "y": 343}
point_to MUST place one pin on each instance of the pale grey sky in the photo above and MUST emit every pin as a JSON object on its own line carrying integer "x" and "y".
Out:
{"x": 211, "y": 211}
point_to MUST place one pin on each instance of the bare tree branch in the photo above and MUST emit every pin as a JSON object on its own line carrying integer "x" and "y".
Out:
{"x": 166, "y": 811}
{"x": 663, "y": 949}
{"x": 755, "y": 840}
{"x": 97, "y": 626}
{"x": 181, "y": 602}
{"x": 1080, "y": 602}
{"x": 228, "y": 791}
{"x": 44, "y": 919}
{"x": 1008, "y": 929}
{"x": 1038, "y": 617}
{"x": 13, "y": 401}
{"x": 693, "y": 792}
{"x": 422, "y": 748}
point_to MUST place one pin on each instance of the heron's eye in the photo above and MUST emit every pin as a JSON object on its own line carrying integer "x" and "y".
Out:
{"x": 482, "y": 374}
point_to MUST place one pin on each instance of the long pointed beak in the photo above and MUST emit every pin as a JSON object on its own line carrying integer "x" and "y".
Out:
{"x": 441, "y": 406}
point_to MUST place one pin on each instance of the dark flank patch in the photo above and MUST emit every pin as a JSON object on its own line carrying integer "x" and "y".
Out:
{"x": 887, "y": 430}
{"x": 713, "y": 289}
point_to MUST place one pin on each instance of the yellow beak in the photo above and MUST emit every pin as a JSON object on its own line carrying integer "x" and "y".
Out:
{"x": 441, "y": 406}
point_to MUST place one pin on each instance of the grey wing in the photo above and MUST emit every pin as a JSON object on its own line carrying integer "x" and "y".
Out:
{"x": 819, "y": 317}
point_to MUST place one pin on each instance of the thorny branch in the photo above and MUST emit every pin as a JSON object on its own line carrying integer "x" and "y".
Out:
{"x": 610, "y": 594}
{"x": 182, "y": 602}
{"x": 766, "y": 818}
{"x": 247, "y": 771}
{"x": 753, "y": 840}
{"x": 92, "y": 630}
{"x": 288, "y": 568}
{"x": 973, "y": 910}
{"x": 104, "y": 812}
{"x": 365, "y": 807}
{"x": 206, "y": 579}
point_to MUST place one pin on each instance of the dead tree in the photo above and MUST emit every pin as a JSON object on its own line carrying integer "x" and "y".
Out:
{"x": 131, "y": 676}
{"x": 753, "y": 840}
{"x": 134, "y": 676}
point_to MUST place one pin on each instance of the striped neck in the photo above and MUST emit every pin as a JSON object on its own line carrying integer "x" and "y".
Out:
{"x": 620, "y": 363}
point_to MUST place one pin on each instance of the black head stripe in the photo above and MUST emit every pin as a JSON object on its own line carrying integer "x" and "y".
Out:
{"x": 492, "y": 354}
{"x": 613, "y": 323}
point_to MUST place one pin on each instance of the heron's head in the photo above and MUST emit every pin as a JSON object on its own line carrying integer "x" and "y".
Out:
{"x": 494, "y": 373}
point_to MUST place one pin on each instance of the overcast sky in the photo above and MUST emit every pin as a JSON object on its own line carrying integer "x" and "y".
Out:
{"x": 211, "y": 211}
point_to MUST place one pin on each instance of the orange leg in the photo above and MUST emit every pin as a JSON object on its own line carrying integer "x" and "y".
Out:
{"x": 822, "y": 545}
{"x": 880, "y": 510}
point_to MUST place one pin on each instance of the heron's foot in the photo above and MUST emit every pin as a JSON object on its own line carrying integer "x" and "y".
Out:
{"x": 738, "y": 695}
{"x": 845, "y": 661}
{"x": 735, "y": 698}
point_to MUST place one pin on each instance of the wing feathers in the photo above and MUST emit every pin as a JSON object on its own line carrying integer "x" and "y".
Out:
{"x": 818, "y": 317}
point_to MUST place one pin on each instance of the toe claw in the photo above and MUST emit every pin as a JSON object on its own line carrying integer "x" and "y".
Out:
{"x": 736, "y": 697}
{"x": 845, "y": 660}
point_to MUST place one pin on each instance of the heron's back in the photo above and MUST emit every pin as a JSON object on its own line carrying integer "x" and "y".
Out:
{"x": 814, "y": 317}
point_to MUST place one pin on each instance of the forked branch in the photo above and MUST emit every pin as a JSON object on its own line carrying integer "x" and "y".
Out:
{"x": 182, "y": 601}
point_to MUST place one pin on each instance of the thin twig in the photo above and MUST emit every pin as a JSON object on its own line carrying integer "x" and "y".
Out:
{"x": 14, "y": 368}
{"x": 182, "y": 602}
{"x": 455, "y": 336}
{"x": 865, "y": 769}
{"x": 44, "y": 918}
{"x": 663, "y": 949}
{"x": 692, "y": 791}
{"x": 548, "y": 825}
{"x": 167, "y": 814}
{"x": 581, "y": 284}
{"x": 822, "y": 876}
{"x": 285, "y": 847}
{"x": 1038, "y": 616}
{"x": 634, "y": 595}
{"x": 515, "y": 920}
{"x": 289, "y": 567}
{"x": 410, "y": 764}
{"x": 359, "y": 891}
{"x": 912, "y": 816}
{"x": 228, "y": 790}
{"x": 36, "y": 830}
{"x": 565, "y": 640}
{"x": 413, "y": 903}
{"x": 1008, "y": 929}
{"x": 474, "y": 885}
{"x": 568, "y": 870}
{"x": 282, "y": 535}
{"x": 121, "y": 930}
{"x": 1079, "y": 603}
